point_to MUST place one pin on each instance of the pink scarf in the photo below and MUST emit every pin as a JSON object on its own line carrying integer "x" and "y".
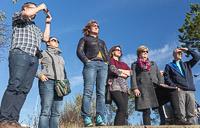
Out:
{"x": 145, "y": 65}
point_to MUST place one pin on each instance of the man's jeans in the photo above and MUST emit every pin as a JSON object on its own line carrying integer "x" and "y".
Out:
{"x": 187, "y": 105}
{"x": 22, "y": 69}
{"x": 94, "y": 71}
{"x": 51, "y": 105}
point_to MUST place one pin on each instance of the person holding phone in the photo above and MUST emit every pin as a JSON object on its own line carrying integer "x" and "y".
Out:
{"x": 23, "y": 61}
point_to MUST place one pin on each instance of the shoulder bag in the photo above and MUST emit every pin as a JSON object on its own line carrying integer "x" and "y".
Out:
{"x": 62, "y": 87}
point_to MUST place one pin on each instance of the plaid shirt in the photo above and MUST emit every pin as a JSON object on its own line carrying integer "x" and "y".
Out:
{"x": 25, "y": 35}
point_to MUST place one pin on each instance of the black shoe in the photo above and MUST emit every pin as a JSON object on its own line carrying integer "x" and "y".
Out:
{"x": 181, "y": 122}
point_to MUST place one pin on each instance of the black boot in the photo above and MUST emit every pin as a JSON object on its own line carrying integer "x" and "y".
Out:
{"x": 181, "y": 122}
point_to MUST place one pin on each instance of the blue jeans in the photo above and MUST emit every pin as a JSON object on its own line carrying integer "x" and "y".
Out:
{"x": 22, "y": 69}
{"x": 51, "y": 105}
{"x": 94, "y": 71}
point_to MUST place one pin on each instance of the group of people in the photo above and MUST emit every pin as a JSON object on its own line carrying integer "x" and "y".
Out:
{"x": 177, "y": 87}
{"x": 101, "y": 66}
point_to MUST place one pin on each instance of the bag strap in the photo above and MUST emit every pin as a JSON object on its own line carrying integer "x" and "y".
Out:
{"x": 53, "y": 63}
{"x": 65, "y": 73}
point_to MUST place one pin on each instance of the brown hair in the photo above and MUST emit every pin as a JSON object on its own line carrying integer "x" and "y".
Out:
{"x": 112, "y": 49}
{"x": 141, "y": 48}
{"x": 85, "y": 30}
{"x": 27, "y": 4}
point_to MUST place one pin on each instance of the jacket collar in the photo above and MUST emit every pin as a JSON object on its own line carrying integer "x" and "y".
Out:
{"x": 53, "y": 50}
{"x": 174, "y": 66}
{"x": 93, "y": 37}
{"x": 175, "y": 61}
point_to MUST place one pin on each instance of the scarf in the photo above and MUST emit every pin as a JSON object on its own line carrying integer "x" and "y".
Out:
{"x": 145, "y": 65}
{"x": 119, "y": 64}
{"x": 54, "y": 50}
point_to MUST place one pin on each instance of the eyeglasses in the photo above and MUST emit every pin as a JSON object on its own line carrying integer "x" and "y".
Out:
{"x": 117, "y": 50}
{"x": 95, "y": 25}
{"x": 144, "y": 51}
{"x": 54, "y": 40}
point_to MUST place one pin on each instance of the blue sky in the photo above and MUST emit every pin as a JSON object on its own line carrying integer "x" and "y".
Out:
{"x": 128, "y": 23}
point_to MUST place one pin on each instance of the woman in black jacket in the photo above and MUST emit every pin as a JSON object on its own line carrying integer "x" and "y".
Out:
{"x": 93, "y": 53}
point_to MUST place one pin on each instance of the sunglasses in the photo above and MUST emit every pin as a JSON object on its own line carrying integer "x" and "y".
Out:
{"x": 95, "y": 25}
{"x": 144, "y": 51}
{"x": 54, "y": 40}
{"x": 117, "y": 50}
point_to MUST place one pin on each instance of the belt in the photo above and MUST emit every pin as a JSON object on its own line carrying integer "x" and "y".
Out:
{"x": 97, "y": 60}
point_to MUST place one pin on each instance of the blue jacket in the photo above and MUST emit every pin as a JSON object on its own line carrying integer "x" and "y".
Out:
{"x": 173, "y": 76}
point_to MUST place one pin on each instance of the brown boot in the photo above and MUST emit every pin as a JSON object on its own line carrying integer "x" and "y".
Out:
{"x": 3, "y": 123}
{"x": 16, "y": 125}
{"x": 6, "y": 124}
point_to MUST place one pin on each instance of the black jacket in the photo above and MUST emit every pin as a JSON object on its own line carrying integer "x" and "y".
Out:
{"x": 173, "y": 77}
{"x": 89, "y": 48}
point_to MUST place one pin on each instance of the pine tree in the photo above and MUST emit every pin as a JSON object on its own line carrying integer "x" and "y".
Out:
{"x": 190, "y": 31}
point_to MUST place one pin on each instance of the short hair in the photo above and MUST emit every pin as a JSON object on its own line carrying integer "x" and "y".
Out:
{"x": 174, "y": 51}
{"x": 141, "y": 48}
{"x": 112, "y": 49}
{"x": 85, "y": 30}
{"x": 27, "y": 4}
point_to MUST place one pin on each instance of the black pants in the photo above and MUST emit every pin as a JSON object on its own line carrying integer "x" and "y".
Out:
{"x": 169, "y": 95}
{"x": 121, "y": 100}
{"x": 163, "y": 96}
{"x": 146, "y": 116}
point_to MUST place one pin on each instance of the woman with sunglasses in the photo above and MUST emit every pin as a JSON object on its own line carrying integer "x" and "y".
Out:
{"x": 51, "y": 103}
{"x": 93, "y": 52}
{"x": 149, "y": 88}
{"x": 117, "y": 79}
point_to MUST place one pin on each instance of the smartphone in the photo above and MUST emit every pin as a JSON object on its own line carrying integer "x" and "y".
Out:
{"x": 45, "y": 12}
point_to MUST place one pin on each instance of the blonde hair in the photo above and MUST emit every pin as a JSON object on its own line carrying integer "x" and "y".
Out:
{"x": 141, "y": 48}
{"x": 85, "y": 30}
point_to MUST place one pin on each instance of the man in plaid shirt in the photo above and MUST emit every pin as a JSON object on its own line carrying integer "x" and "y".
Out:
{"x": 23, "y": 61}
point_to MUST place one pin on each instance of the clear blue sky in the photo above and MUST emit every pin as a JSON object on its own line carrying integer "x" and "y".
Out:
{"x": 129, "y": 23}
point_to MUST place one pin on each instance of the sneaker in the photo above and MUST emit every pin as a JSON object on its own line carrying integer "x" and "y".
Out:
{"x": 99, "y": 121}
{"x": 88, "y": 122}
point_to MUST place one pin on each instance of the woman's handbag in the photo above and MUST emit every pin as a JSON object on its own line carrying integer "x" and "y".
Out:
{"x": 108, "y": 99}
{"x": 62, "y": 87}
